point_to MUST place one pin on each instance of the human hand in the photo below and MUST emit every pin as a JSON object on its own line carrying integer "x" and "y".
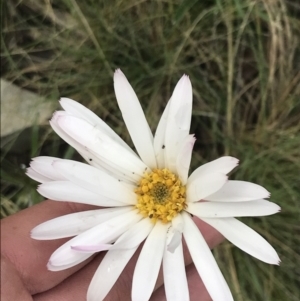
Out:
{"x": 24, "y": 275}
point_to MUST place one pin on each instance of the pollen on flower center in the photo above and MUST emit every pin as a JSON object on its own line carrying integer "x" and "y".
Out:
{"x": 160, "y": 195}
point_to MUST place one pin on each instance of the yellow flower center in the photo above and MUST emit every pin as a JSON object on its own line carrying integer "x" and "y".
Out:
{"x": 160, "y": 195}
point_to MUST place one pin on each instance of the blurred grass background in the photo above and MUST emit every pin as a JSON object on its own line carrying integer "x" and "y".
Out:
{"x": 243, "y": 58}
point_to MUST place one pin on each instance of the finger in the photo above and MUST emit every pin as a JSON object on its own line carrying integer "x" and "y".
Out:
{"x": 12, "y": 287}
{"x": 30, "y": 257}
{"x": 76, "y": 286}
{"x": 197, "y": 289}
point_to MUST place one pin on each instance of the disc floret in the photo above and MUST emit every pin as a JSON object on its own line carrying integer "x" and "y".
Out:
{"x": 160, "y": 195}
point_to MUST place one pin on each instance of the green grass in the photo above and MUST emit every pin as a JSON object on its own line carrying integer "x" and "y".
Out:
{"x": 243, "y": 58}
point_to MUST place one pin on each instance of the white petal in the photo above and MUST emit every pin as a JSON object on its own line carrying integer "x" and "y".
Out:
{"x": 115, "y": 260}
{"x": 184, "y": 158}
{"x": 108, "y": 273}
{"x": 135, "y": 235}
{"x": 205, "y": 185}
{"x": 159, "y": 138}
{"x": 43, "y": 165}
{"x": 78, "y": 110}
{"x": 74, "y": 223}
{"x": 106, "y": 232}
{"x": 55, "y": 268}
{"x": 148, "y": 264}
{"x": 69, "y": 192}
{"x": 175, "y": 281}
{"x": 134, "y": 119}
{"x": 179, "y": 120}
{"x": 128, "y": 240}
{"x": 174, "y": 235}
{"x": 36, "y": 176}
{"x": 245, "y": 238}
{"x": 221, "y": 165}
{"x": 95, "y": 180}
{"x": 91, "y": 157}
{"x": 98, "y": 142}
{"x": 92, "y": 248}
{"x": 222, "y": 209}
{"x": 239, "y": 191}
{"x": 205, "y": 262}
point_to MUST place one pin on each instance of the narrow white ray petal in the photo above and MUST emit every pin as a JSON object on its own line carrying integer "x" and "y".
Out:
{"x": 92, "y": 248}
{"x": 174, "y": 235}
{"x": 108, "y": 272}
{"x": 66, "y": 191}
{"x": 175, "y": 241}
{"x": 239, "y": 191}
{"x": 55, "y": 268}
{"x": 184, "y": 157}
{"x": 95, "y": 180}
{"x": 148, "y": 264}
{"x": 204, "y": 262}
{"x": 179, "y": 120}
{"x": 205, "y": 185}
{"x": 106, "y": 232}
{"x": 115, "y": 260}
{"x": 176, "y": 286}
{"x": 134, "y": 119}
{"x": 98, "y": 142}
{"x": 135, "y": 235}
{"x": 245, "y": 238}
{"x": 43, "y": 165}
{"x": 36, "y": 176}
{"x": 74, "y": 223}
{"x": 78, "y": 110}
{"x": 159, "y": 138}
{"x": 223, "y": 209}
{"x": 128, "y": 240}
{"x": 221, "y": 165}
{"x": 91, "y": 157}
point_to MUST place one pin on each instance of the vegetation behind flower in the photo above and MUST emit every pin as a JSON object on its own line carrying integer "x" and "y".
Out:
{"x": 243, "y": 60}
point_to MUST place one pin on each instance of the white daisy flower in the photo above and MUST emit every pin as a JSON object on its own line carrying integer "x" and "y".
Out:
{"x": 149, "y": 197}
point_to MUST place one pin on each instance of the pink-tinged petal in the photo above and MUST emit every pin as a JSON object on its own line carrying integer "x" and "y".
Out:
{"x": 78, "y": 110}
{"x": 179, "y": 120}
{"x": 239, "y": 191}
{"x": 97, "y": 181}
{"x": 204, "y": 186}
{"x": 204, "y": 262}
{"x": 244, "y": 238}
{"x": 222, "y": 165}
{"x": 134, "y": 119}
{"x": 175, "y": 281}
{"x": 106, "y": 232}
{"x": 159, "y": 138}
{"x": 148, "y": 264}
{"x": 184, "y": 158}
{"x": 66, "y": 191}
{"x": 115, "y": 260}
{"x": 222, "y": 209}
{"x": 95, "y": 140}
{"x": 36, "y": 176}
{"x": 75, "y": 223}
